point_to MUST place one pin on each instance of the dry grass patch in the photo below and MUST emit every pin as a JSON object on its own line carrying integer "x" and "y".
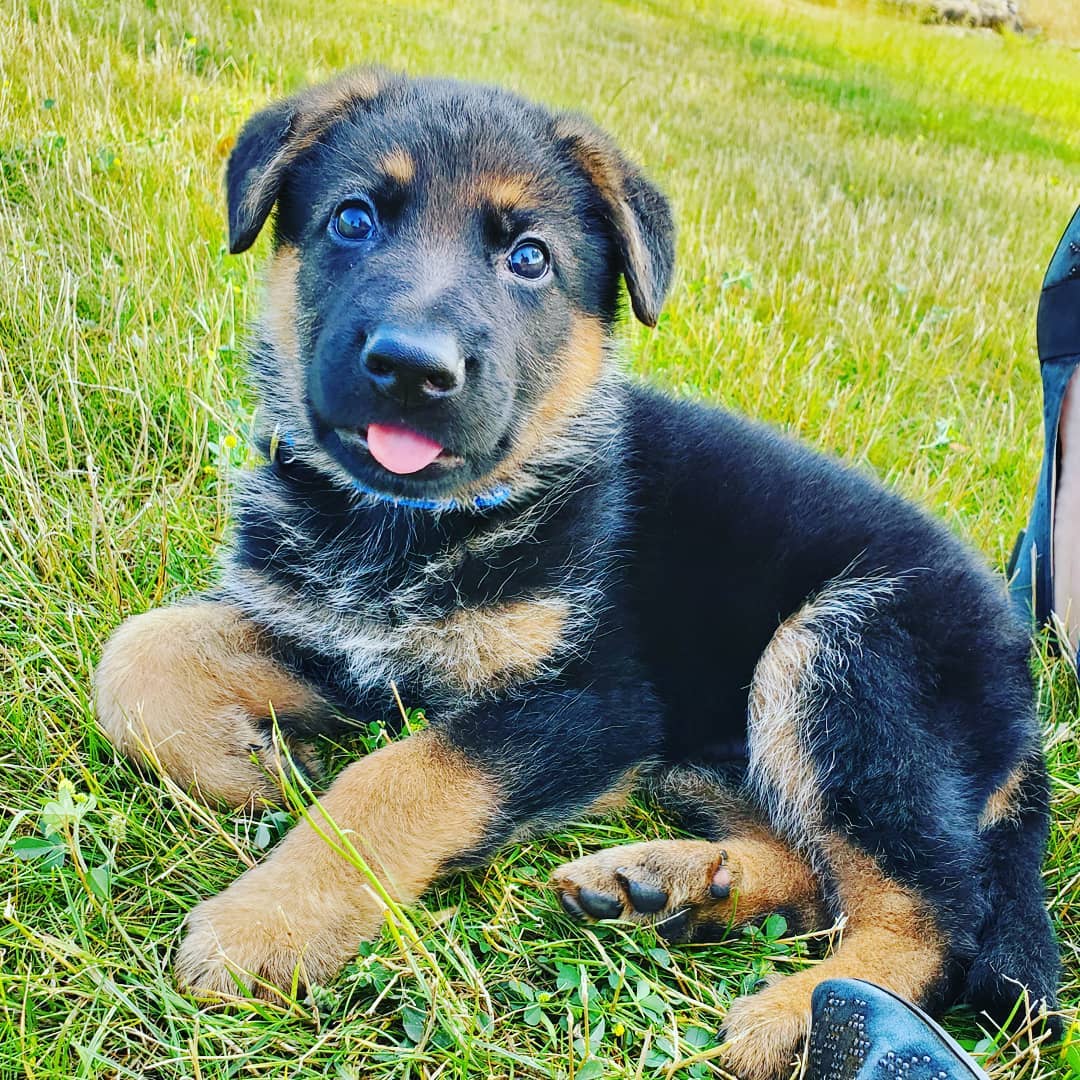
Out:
{"x": 1059, "y": 20}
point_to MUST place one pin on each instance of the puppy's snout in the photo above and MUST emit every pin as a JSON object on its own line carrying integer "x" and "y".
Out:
{"x": 413, "y": 365}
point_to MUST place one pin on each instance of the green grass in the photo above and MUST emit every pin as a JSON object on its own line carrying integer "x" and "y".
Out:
{"x": 866, "y": 208}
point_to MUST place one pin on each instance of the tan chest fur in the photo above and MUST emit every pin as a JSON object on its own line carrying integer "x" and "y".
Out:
{"x": 472, "y": 650}
{"x": 480, "y": 648}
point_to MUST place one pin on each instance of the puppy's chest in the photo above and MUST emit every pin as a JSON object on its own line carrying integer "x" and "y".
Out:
{"x": 465, "y": 622}
{"x": 489, "y": 647}
{"x": 444, "y": 655}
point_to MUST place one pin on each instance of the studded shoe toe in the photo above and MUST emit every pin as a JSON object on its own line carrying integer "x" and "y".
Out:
{"x": 860, "y": 1031}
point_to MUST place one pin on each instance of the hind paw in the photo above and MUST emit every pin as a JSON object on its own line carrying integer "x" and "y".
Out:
{"x": 673, "y": 885}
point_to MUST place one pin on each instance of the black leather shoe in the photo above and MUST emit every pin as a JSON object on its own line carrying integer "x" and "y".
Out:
{"x": 859, "y": 1031}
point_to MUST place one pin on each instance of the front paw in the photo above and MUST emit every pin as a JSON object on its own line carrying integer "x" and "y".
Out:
{"x": 764, "y": 1032}
{"x": 266, "y": 934}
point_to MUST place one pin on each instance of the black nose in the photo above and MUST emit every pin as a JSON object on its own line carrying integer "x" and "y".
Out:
{"x": 413, "y": 365}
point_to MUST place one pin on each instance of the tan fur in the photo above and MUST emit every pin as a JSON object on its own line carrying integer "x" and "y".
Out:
{"x": 1003, "y": 804}
{"x": 889, "y": 938}
{"x": 187, "y": 687}
{"x": 601, "y": 163}
{"x": 407, "y": 809}
{"x": 778, "y": 703}
{"x": 472, "y": 648}
{"x": 506, "y": 192}
{"x": 322, "y": 105}
{"x": 478, "y": 648}
{"x": 616, "y": 797}
{"x": 579, "y": 368}
{"x": 804, "y": 659}
{"x": 281, "y": 309}
{"x": 766, "y": 876}
{"x": 638, "y": 259}
{"x": 595, "y": 154}
{"x": 398, "y": 165}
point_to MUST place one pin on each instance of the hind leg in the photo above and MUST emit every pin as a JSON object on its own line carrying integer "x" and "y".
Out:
{"x": 847, "y": 756}
{"x": 1017, "y": 950}
{"x": 191, "y": 688}
{"x": 890, "y": 938}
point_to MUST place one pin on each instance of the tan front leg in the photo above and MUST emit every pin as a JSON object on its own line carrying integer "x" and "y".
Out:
{"x": 191, "y": 688}
{"x": 890, "y": 939}
{"x": 408, "y": 810}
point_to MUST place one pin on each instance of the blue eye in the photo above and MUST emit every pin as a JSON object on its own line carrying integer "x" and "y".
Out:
{"x": 529, "y": 260}
{"x": 353, "y": 221}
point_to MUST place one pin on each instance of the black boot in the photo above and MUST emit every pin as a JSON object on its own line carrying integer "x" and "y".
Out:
{"x": 859, "y": 1030}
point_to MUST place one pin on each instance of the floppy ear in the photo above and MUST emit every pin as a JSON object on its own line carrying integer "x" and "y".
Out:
{"x": 638, "y": 210}
{"x": 274, "y": 138}
{"x": 252, "y": 181}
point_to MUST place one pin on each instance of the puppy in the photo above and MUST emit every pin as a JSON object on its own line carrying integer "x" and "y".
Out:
{"x": 590, "y": 587}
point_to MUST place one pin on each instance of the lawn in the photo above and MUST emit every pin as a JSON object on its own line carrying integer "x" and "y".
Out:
{"x": 866, "y": 205}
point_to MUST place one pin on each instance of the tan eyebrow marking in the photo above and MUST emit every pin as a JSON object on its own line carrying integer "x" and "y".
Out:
{"x": 398, "y": 165}
{"x": 507, "y": 192}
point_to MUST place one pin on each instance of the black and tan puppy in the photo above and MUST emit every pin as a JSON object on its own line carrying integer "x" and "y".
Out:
{"x": 589, "y": 587}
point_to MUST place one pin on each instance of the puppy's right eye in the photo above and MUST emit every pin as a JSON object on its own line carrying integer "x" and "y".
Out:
{"x": 352, "y": 221}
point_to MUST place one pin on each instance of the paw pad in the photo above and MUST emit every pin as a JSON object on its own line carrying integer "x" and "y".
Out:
{"x": 720, "y": 882}
{"x": 571, "y": 906}
{"x": 674, "y": 927}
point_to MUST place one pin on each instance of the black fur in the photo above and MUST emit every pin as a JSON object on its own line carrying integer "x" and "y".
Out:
{"x": 681, "y": 537}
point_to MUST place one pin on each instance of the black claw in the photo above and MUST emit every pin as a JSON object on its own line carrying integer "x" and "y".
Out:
{"x": 571, "y": 906}
{"x": 599, "y": 905}
{"x": 675, "y": 927}
{"x": 646, "y": 898}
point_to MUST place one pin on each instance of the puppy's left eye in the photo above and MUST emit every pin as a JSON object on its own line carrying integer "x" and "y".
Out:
{"x": 529, "y": 260}
{"x": 353, "y": 221}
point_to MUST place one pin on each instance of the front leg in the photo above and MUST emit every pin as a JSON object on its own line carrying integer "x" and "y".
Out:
{"x": 438, "y": 799}
{"x": 193, "y": 688}
{"x": 406, "y": 809}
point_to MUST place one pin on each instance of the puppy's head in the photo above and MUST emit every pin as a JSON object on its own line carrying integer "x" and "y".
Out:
{"x": 446, "y": 269}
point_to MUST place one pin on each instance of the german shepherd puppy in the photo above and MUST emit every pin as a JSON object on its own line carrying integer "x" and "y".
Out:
{"x": 590, "y": 587}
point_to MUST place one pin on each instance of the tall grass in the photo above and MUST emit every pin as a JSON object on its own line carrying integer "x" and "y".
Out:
{"x": 866, "y": 208}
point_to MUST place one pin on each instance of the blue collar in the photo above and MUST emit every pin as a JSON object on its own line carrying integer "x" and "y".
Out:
{"x": 484, "y": 501}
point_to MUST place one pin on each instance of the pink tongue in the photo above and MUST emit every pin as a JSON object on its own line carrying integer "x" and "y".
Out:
{"x": 399, "y": 449}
